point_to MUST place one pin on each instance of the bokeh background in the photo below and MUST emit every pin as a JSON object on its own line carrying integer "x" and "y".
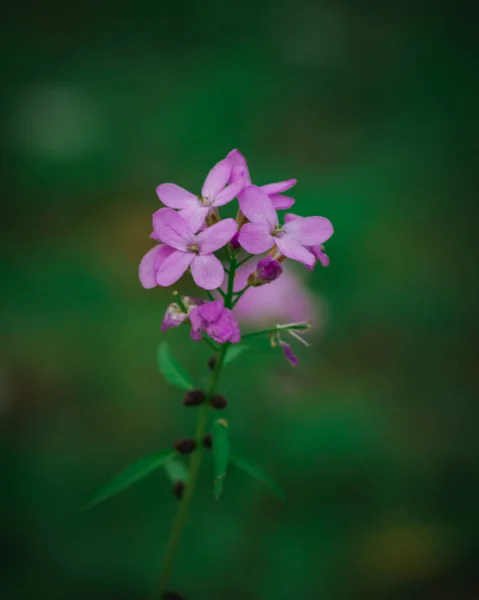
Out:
{"x": 373, "y": 107}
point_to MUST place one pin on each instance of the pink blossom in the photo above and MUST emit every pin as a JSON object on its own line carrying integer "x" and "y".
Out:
{"x": 317, "y": 251}
{"x": 216, "y": 321}
{"x": 191, "y": 250}
{"x": 267, "y": 271}
{"x": 284, "y": 300}
{"x": 215, "y": 192}
{"x": 150, "y": 264}
{"x": 273, "y": 190}
{"x": 175, "y": 315}
{"x": 263, "y": 231}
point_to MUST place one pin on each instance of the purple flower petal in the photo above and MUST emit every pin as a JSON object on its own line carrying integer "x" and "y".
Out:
{"x": 216, "y": 179}
{"x": 174, "y": 316}
{"x": 195, "y": 216}
{"x": 207, "y": 271}
{"x": 288, "y": 353}
{"x": 229, "y": 192}
{"x": 172, "y": 229}
{"x": 215, "y": 237}
{"x": 309, "y": 231}
{"x": 281, "y": 202}
{"x": 173, "y": 267}
{"x": 240, "y": 168}
{"x": 291, "y": 248}
{"x": 267, "y": 271}
{"x": 280, "y": 186}
{"x": 321, "y": 255}
{"x": 195, "y": 335}
{"x": 174, "y": 196}
{"x": 257, "y": 207}
{"x": 256, "y": 238}
{"x": 225, "y": 328}
{"x": 211, "y": 311}
{"x": 147, "y": 268}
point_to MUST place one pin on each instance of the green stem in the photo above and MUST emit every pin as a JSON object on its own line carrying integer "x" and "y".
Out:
{"x": 197, "y": 455}
{"x": 295, "y": 326}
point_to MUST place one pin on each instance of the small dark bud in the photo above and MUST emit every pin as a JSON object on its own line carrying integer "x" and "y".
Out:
{"x": 267, "y": 270}
{"x": 234, "y": 242}
{"x": 185, "y": 445}
{"x": 172, "y": 596}
{"x": 212, "y": 362}
{"x": 218, "y": 402}
{"x": 178, "y": 489}
{"x": 194, "y": 398}
{"x": 208, "y": 441}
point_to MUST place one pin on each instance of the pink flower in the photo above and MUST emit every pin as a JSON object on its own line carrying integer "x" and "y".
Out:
{"x": 215, "y": 192}
{"x": 188, "y": 249}
{"x": 263, "y": 231}
{"x": 175, "y": 316}
{"x": 273, "y": 190}
{"x": 317, "y": 251}
{"x": 216, "y": 321}
{"x": 284, "y": 300}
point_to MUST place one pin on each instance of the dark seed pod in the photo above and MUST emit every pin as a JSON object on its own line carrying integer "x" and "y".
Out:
{"x": 208, "y": 441}
{"x": 178, "y": 489}
{"x": 194, "y": 398}
{"x": 185, "y": 445}
{"x": 219, "y": 402}
{"x": 212, "y": 362}
{"x": 172, "y": 596}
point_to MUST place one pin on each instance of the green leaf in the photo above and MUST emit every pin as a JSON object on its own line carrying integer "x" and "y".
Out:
{"x": 172, "y": 371}
{"x": 221, "y": 451}
{"x": 233, "y": 352}
{"x": 175, "y": 470}
{"x": 133, "y": 473}
{"x": 259, "y": 475}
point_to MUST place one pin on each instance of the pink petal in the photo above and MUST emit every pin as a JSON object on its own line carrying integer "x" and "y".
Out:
{"x": 174, "y": 196}
{"x": 195, "y": 216}
{"x": 172, "y": 229}
{"x": 310, "y": 231}
{"x": 230, "y": 192}
{"x": 281, "y": 202}
{"x": 207, "y": 271}
{"x": 216, "y": 179}
{"x": 173, "y": 267}
{"x": 256, "y": 238}
{"x": 277, "y": 188}
{"x": 215, "y": 237}
{"x": 257, "y": 207}
{"x": 147, "y": 270}
{"x": 291, "y": 248}
{"x": 240, "y": 168}
{"x": 291, "y": 217}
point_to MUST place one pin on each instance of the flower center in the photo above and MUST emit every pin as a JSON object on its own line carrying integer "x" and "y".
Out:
{"x": 277, "y": 232}
{"x": 193, "y": 248}
{"x": 205, "y": 201}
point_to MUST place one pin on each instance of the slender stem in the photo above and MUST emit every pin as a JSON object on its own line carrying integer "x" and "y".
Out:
{"x": 210, "y": 295}
{"x": 240, "y": 293}
{"x": 197, "y": 455}
{"x": 296, "y": 326}
{"x": 242, "y": 262}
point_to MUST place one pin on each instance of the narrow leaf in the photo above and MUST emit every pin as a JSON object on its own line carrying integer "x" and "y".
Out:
{"x": 259, "y": 475}
{"x": 221, "y": 451}
{"x": 133, "y": 473}
{"x": 171, "y": 370}
{"x": 175, "y": 470}
{"x": 234, "y": 350}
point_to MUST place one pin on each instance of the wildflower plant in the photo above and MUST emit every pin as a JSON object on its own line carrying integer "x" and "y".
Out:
{"x": 192, "y": 236}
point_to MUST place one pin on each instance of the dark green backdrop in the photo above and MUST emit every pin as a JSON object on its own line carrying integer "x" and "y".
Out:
{"x": 373, "y": 107}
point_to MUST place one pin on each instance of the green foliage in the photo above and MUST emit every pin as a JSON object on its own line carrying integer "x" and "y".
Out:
{"x": 221, "y": 451}
{"x": 171, "y": 370}
{"x": 233, "y": 352}
{"x": 176, "y": 470}
{"x": 259, "y": 475}
{"x": 132, "y": 474}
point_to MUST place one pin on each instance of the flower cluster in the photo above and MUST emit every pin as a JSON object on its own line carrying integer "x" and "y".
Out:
{"x": 191, "y": 235}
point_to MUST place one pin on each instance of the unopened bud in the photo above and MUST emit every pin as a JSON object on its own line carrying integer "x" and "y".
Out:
{"x": 185, "y": 445}
{"x": 234, "y": 242}
{"x": 267, "y": 270}
{"x": 194, "y": 398}
{"x": 208, "y": 441}
{"x": 178, "y": 489}
{"x": 219, "y": 402}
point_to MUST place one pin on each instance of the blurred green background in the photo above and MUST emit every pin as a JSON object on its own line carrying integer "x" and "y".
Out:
{"x": 373, "y": 107}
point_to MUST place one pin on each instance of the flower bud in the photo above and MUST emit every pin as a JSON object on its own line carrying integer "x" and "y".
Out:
{"x": 208, "y": 441}
{"x": 219, "y": 402}
{"x": 185, "y": 445}
{"x": 234, "y": 242}
{"x": 178, "y": 489}
{"x": 194, "y": 398}
{"x": 267, "y": 270}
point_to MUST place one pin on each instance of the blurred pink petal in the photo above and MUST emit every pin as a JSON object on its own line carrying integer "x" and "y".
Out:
{"x": 293, "y": 249}
{"x": 216, "y": 179}
{"x": 174, "y": 196}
